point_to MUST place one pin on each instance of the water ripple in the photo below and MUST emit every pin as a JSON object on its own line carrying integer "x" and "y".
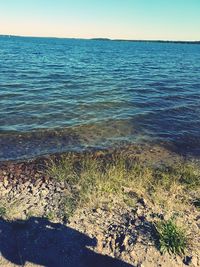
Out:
{"x": 97, "y": 92}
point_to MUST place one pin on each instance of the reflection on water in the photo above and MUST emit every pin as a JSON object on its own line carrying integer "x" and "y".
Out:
{"x": 59, "y": 94}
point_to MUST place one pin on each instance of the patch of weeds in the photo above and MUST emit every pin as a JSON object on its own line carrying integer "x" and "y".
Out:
{"x": 2, "y": 212}
{"x": 131, "y": 202}
{"x": 50, "y": 215}
{"x": 171, "y": 238}
{"x": 70, "y": 205}
{"x": 164, "y": 178}
{"x": 130, "y": 198}
{"x": 141, "y": 178}
{"x": 63, "y": 170}
{"x": 190, "y": 175}
{"x": 92, "y": 180}
{"x": 96, "y": 180}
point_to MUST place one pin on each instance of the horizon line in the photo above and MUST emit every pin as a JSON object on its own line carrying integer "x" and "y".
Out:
{"x": 102, "y": 38}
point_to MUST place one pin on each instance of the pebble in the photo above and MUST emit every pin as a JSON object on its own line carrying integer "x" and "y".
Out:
{"x": 5, "y": 182}
{"x": 139, "y": 212}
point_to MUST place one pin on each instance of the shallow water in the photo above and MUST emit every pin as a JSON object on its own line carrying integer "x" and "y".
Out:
{"x": 63, "y": 94}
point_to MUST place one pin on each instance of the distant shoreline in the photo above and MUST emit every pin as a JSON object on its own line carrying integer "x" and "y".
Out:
{"x": 105, "y": 39}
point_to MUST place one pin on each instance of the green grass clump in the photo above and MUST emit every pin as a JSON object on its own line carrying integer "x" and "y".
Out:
{"x": 50, "y": 215}
{"x": 63, "y": 170}
{"x": 171, "y": 238}
{"x": 95, "y": 180}
{"x": 190, "y": 175}
{"x": 2, "y": 211}
{"x": 70, "y": 205}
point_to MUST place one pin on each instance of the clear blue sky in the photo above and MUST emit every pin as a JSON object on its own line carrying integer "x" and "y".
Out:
{"x": 128, "y": 19}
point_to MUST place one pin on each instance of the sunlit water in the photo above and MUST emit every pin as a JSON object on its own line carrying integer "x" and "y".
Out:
{"x": 60, "y": 94}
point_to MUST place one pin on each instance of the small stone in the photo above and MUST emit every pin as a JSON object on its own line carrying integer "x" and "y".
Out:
{"x": 99, "y": 211}
{"x": 137, "y": 223}
{"x": 139, "y": 239}
{"x": 126, "y": 242}
{"x": 5, "y": 182}
{"x": 140, "y": 212}
{"x": 38, "y": 182}
{"x": 11, "y": 176}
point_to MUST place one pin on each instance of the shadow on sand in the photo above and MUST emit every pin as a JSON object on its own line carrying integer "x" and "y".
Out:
{"x": 42, "y": 242}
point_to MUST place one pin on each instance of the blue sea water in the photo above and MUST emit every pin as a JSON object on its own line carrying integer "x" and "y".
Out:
{"x": 68, "y": 94}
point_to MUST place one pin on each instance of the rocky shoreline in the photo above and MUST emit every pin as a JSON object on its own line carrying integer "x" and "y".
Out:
{"x": 122, "y": 232}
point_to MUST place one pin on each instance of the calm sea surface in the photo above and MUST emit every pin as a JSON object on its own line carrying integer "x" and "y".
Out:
{"x": 61, "y": 94}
